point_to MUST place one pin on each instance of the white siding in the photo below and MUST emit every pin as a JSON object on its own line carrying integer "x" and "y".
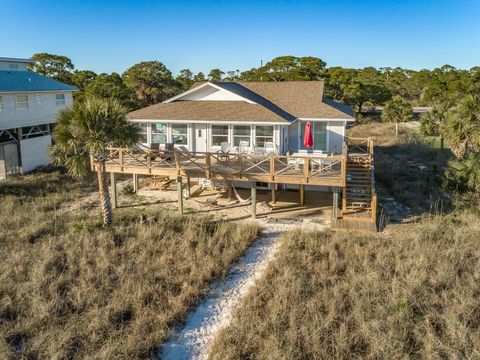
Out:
{"x": 45, "y": 113}
{"x": 335, "y": 135}
{"x": 34, "y": 152}
{"x": 13, "y": 66}
{"x": 211, "y": 93}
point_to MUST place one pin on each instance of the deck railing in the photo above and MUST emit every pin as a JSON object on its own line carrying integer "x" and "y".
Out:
{"x": 329, "y": 169}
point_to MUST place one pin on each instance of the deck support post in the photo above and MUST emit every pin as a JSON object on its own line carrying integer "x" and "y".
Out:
{"x": 229, "y": 190}
{"x": 254, "y": 199}
{"x": 335, "y": 206}
{"x": 274, "y": 194}
{"x": 135, "y": 183}
{"x": 113, "y": 187}
{"x": 180, "y": 194}
{"x": 302, "y": 194}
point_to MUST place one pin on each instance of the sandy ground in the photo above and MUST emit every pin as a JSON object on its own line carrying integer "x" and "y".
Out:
{"x": 192, "y": 339}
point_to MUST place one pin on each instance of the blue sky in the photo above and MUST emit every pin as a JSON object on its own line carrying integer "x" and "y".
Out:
{"x": 107, "y": 36}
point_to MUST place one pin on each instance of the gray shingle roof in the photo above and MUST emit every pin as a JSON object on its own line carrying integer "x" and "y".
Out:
{"x": 21, "y": 81}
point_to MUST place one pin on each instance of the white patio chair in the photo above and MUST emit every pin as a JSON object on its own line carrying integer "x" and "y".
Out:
{"x": 270, "y": 148}
{"x": 243, "y": 146}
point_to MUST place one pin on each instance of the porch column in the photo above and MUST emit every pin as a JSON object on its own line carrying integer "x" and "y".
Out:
{"x": 113, "y": 186}
{"x": 180, "y": 195}
{"x": 254, "y": 199}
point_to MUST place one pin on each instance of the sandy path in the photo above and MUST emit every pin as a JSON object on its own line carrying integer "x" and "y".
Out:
{"x": 213, "y": 313}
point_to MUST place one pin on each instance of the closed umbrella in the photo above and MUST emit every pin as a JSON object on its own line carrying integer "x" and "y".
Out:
{"x": 308, "y": 137}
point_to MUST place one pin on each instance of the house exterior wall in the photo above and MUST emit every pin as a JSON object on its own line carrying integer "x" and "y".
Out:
{"x": 34, "y": 152}
{"x": 336, "y": 134}
{"x": 13, "y": 65}
{"x": 43, "y": 113}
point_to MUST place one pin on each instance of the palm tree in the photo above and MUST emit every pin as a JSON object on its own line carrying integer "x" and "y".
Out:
{"x": 434, "y": 122}
{"x": 463, "y": 126}
{"x": 87, "y": 129}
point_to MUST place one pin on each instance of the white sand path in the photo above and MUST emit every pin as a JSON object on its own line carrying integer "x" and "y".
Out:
{"x": 212, "y": 314}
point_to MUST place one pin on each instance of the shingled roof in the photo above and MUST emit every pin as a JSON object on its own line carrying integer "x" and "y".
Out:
{"x": 280, "y": 102}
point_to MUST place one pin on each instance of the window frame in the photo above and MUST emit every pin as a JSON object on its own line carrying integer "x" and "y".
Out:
{"x": 301, "y": 132}
{"x": 214, "y": 136}
{"x": 242, "y": 137}
{"x": 39, "y": 99}
{"x": 143, "y": 126}
{"x": 187, "y": 128}
{"x": 153, "y": 132}
{"x": 266, "y": 138}
{"x": 21, "y": 102}
{"x": 2, "y": 109}
{"x": 62, "y": 101}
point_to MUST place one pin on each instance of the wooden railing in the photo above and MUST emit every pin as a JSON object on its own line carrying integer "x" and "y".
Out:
{"x": 327, "y": 170}
{"x": 359, "y": 145}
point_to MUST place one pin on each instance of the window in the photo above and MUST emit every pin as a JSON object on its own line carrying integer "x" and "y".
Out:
{"x": 159, "y": 133}
{"x": 319, "y": 133}
{"x": 59, "y": 99}
{"x": 143, "y": 133}
{"x": 38, "y": 100}
{"x": 13, "y": 66}
{"x": 180, "y": 134}
{"x": 263, "y": 134}
{"x": 219, "y": 134}
{"x": 1, "y": 104}
{"x": 241, "y": 133}
{"x": 21, "y": 102}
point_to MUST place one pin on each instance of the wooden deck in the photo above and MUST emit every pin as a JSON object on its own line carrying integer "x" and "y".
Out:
{"x": 324, "y": 171}
{"x": 349, "y": 174}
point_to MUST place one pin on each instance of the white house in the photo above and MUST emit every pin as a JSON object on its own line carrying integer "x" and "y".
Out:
{"x": 212, "y": 113}
{"x": 29, "y": 104}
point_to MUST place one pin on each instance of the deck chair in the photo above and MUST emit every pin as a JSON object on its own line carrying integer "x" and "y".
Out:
{"x": 243, "y": 146}
{"x": 224, "y": 150}
{"x": 187, "y": 152}
{"x": 270, "y": 148}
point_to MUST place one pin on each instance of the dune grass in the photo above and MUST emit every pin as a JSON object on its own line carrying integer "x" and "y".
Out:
{"x": 71, "y": 289}
{"x": 412, "y": 292}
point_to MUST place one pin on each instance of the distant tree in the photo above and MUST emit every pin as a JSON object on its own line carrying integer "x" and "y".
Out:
{"x": 185, "y": 79}
{"x": 288, "y": 68}
{"x": 463, "y": 126}
{"x": 57, "y": 67}
{"x": 150, "y": 82}
{"x": 87, "y": 129}
{"x": 109, "y": 86}
{"x": 397, "y": 110}
{"x": 232, "y": 75}
{"x": 81, "y": 78}
{"x": 200, "y": 77}
{"x": 434, "y": 122}
{"x": 215, "y": 75}
{"x": 464, "y": 174}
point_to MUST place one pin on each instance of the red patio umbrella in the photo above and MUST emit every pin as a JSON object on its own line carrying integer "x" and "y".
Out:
{"x": 307, "y": 137}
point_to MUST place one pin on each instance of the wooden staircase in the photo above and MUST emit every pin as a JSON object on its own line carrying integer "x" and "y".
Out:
{"x": 359, "y": 200}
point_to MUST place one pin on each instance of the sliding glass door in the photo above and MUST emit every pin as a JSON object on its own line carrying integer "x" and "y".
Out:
{"x": 319, "y": 133}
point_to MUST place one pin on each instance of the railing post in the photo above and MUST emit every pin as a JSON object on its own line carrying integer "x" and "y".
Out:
{"x": 120, "y": 158}
{"x": 239, "y": 157}
{"x": 374, "y": 208}
{"x": 344, "y": 171}
{"x": 149, "y": 161}
{"x": 306, "y": 168}
{"x": 177, "y": 162}
{"x": 208, "y": 168}
{"x": 272, "y": 168}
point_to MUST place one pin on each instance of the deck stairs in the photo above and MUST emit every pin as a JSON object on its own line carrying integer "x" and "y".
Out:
{"x": 359, "y": 200}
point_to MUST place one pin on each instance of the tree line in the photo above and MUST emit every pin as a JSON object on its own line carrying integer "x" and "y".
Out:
{"x": 150, "y": 82}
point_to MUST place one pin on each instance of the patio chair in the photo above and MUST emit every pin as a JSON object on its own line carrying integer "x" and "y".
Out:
{"x": 270, "y": 148}
{"x": 224, "y": 150}
{"x": 243, "y": 146}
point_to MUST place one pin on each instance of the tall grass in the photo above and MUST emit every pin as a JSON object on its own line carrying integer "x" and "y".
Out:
{"x": 412, "y": 292}
{"x": 71, "y": 289}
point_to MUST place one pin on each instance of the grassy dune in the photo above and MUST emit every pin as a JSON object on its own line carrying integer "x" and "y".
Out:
{"x": 70, "y": 289}
{"x": 413, "y": 292}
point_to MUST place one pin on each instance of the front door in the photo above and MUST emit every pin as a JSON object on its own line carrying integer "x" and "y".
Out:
{"x": 200, "y": 138}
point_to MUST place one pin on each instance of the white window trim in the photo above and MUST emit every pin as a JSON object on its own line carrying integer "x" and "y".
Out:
{"x": 57, "y": 101}
{"x": 22, "y": 102}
